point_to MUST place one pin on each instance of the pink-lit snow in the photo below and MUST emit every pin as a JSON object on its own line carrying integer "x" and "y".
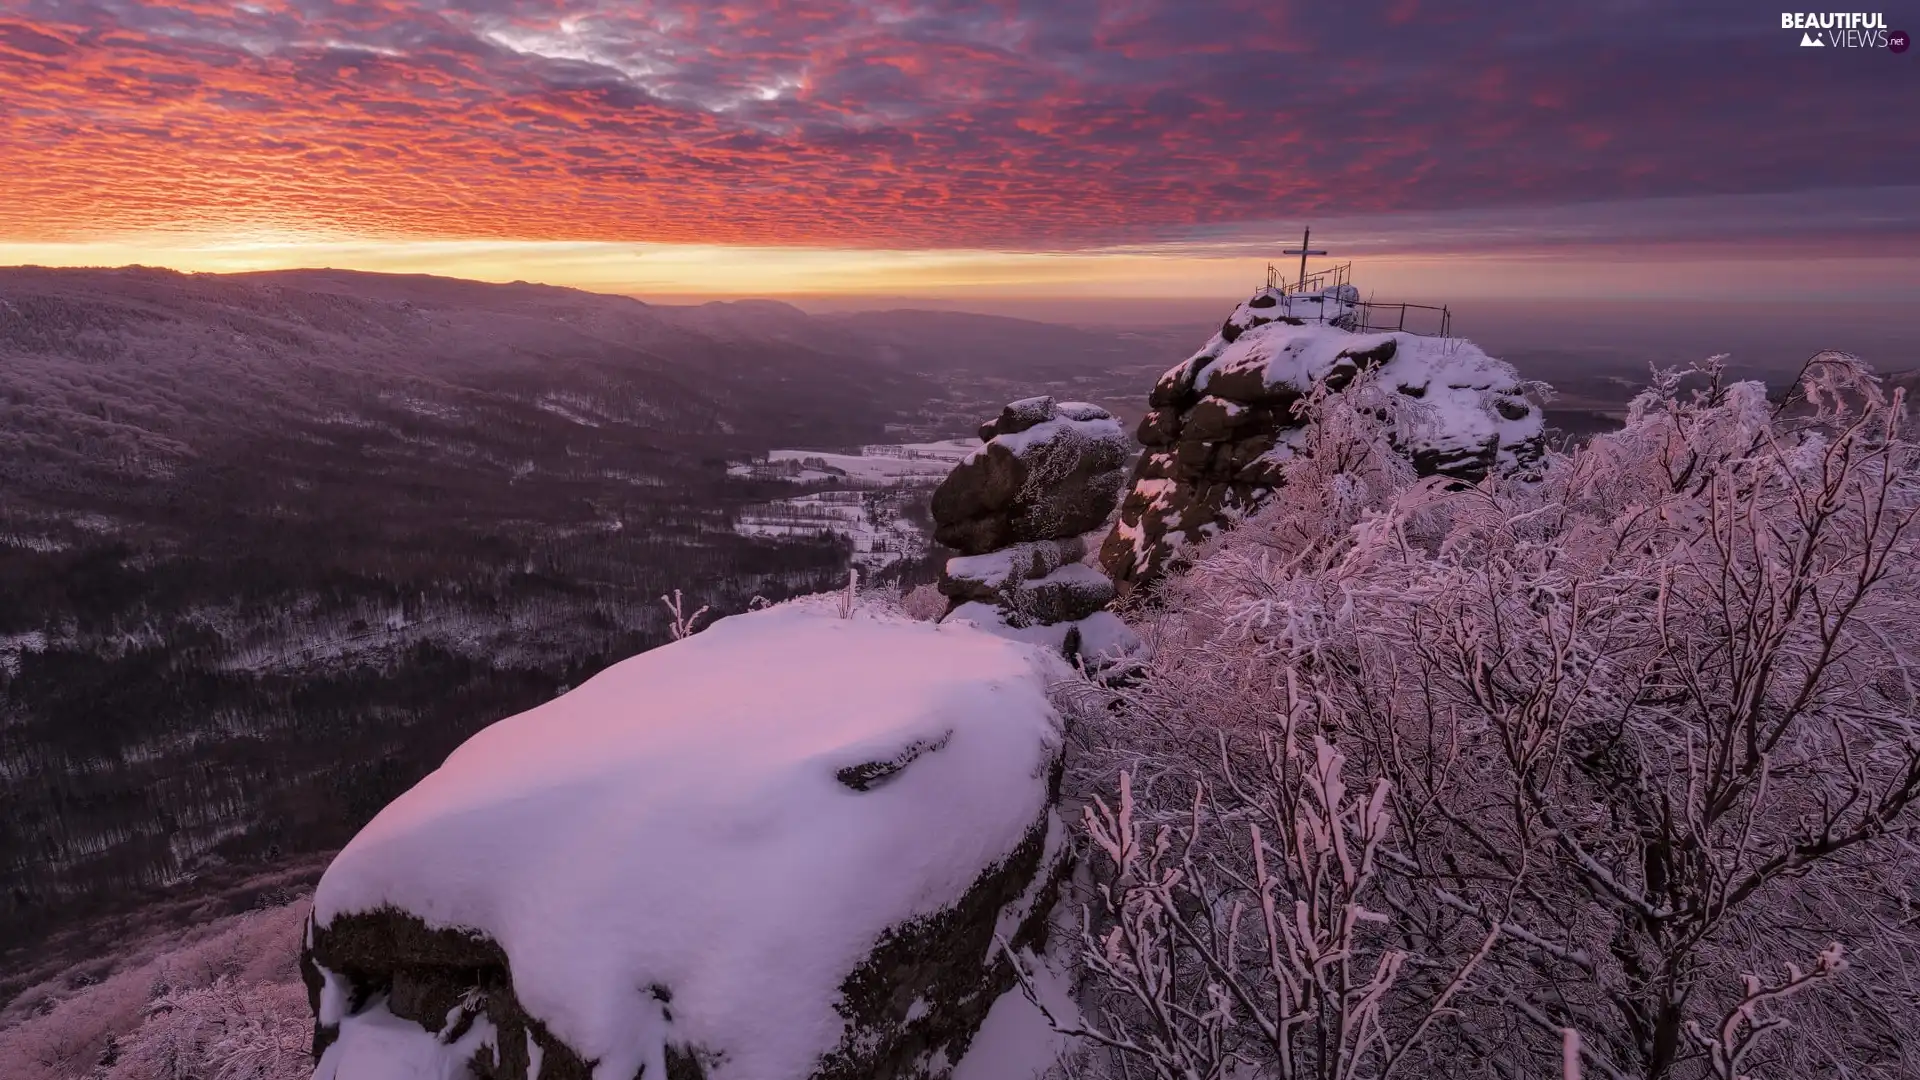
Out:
{"x": 676, "y": 820}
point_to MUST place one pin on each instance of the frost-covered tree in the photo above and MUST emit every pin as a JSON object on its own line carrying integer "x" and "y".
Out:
{"x": 1644, "y": 729}
{"x": 218, "y": 1001}
{"x": 1243, "y": 939}
{"x": 225, "y": 1031}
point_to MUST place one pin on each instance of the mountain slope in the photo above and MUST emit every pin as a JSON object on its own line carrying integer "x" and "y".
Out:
{"x": 122, "y": 367}
{"x": 271, "y": 545}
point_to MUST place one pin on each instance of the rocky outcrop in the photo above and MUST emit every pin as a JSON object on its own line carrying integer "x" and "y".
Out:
{"x": 787, "y": 847}
{"x": 1222, "y": 424}
{"x": 910, "y": 1006}
{"x": 1020, "y": 510}
{"x": 1048, "y": 471}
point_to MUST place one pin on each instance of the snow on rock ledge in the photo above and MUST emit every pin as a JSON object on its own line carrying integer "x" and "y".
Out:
{"x": 1021, "y": 510}
{"x": 777, "y": 850}
{"x": 1222, "y": 423}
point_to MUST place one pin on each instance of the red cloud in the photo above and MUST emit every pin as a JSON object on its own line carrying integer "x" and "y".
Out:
{"x": 905, "y": 123}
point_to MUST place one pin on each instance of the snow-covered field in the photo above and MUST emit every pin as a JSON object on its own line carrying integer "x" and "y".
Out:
{"x": 881, "y": 465}
{"x": 870, "y": 520}
{"x": 866, "y": 503}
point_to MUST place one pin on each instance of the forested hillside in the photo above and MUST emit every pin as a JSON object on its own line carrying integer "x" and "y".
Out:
{"x": 272, "y": 545}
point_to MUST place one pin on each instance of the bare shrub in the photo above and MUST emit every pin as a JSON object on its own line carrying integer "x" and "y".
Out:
{"x": 1259, "y": 952}
{"x": 683, "y": 624}
{"x": 1646, "y": 727}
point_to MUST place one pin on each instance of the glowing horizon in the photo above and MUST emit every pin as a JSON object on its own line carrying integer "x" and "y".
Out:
{"x": 1708, "y": 269}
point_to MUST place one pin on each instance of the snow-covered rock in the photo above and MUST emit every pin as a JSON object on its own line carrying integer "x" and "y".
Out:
{"x": 1102, "y": 641}
{"x": 1047, "y": 471}
{"x": 1017, "y": 1041}
{"x": 777, "y": 850}
{"x": 1025, "y": 510}
{"x": 1334, "y": 305}
{"x": 1072, "y": 592}
{"x": 1222, "y": 423}
{"x": 1020, "y": 415}
{"x": 987, "y": 577}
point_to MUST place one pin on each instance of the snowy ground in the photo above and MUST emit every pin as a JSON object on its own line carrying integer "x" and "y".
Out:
{"x": 881, "y": 465}
{"x": 869, "y": 519}
{"x": 1016, "y": 1042}
{"x": 866, "y": 503}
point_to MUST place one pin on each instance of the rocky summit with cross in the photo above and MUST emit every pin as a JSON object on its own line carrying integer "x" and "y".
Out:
{"x": 1223, "y": 425}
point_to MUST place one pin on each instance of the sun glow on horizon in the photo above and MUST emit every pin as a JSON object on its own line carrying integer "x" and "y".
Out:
{"x": 1173, "y": 272}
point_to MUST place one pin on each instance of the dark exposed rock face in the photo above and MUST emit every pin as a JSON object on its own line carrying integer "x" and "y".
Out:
{"x": 446, "y": 980}
{"x": 1222, "y": 424}
{"x": 1048, "y": 471}
{"x": 425, "y": 976}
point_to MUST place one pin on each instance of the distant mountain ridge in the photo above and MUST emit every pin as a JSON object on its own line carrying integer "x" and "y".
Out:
{"x": 151, "y": 362}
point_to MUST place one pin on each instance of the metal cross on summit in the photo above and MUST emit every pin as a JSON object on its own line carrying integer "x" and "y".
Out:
{"x": 1303, "y": 251}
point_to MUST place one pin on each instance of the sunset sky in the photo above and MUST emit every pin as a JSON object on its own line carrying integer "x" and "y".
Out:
{"x": 917, "y": 148}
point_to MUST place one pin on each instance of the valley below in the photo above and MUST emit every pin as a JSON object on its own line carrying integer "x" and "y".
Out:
{"x": 272, "y": 545}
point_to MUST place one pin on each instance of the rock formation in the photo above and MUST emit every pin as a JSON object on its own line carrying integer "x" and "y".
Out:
{"x": 781, "y": 848}
{"x": 1048, "y": 471}
{"x": 1021, "y": 510}
{"x": 1222, "y": 423}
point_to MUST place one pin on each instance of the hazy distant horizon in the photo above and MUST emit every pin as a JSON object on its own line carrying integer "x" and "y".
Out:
{"x": 1772, "y": 335}
{"x": 1759, "y": 337}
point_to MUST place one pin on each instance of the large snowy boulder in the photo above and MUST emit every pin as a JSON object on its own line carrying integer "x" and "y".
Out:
{"x": 780, "y": 849}
{"x": 1222, "y": 423}
{"x": 1047, "y": 471}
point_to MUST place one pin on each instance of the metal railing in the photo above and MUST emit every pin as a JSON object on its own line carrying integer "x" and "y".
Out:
{"x": 1359, "y": 316}
{"x": 1318, "y": 281}
{"x": 1369, "y": 316}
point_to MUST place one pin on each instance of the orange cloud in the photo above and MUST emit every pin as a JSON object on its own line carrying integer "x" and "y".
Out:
{"x": 899, "y": 124}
